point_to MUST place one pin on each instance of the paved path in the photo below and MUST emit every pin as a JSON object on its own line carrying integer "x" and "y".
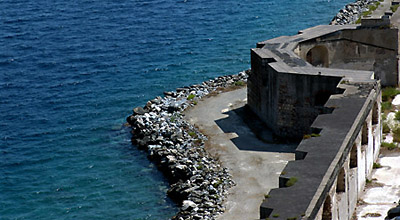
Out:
{"x": 254, "y": 165}
{"x": 384, "y": 191}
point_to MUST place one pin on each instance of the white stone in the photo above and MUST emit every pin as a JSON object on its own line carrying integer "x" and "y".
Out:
{"x": 396, "y": 100}
{"x": 187, "y": 203}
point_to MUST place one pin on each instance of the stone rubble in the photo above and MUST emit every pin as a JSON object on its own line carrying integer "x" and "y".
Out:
{"x": 198, "y": 182}
{"x": 351, "y": 12}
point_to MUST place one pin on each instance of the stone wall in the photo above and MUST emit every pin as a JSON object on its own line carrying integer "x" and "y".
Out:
{"x": 287, "y": 103}
{"x": 362, "y": 49}
{"x": 342, "y": 106}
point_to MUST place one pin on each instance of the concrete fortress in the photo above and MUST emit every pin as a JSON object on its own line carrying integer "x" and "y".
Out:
{"x": 324, "y": 86}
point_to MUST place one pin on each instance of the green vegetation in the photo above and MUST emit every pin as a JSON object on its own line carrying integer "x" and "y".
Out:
{"x": 384, "y": 117}
{"x": 191, "y": 96}
{"x": 291, "y": 181}
{"x": 267, "y": 196}
{"x": 217, "y": 183}
{"x": 192, "y": 133}
{"x": 396, "y": 134}
{"x": 366, "y": 13}
{"x": 389, "y": 146}
{"x": 239, "y": 83}
{"x": 275, "y": 215}
{"x": 397, "y": 116}
{"x": 394, "y": 8}
{"x": 368, "y": 181}
{"x": 377, "y": 166}
{"x": 386, "y": 106}
{"x": 374, "y": 7}
{"x": 371, "y": 8}
{"x": 389, "y": 93}
{"x": 307, "y": 136}
{"x": 385, "y": 128}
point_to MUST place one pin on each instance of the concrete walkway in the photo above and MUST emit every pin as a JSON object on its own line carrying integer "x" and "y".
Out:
{"x": 383, "y": 192}
{"x": 254, "y": 165}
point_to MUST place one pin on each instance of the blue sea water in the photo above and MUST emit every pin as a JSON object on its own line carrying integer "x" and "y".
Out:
{"x": 71, "y": 71}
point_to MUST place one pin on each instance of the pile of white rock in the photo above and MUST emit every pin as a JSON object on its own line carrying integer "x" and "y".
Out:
{"x": 351, "y": 12}
{"x": 199, "y": 183}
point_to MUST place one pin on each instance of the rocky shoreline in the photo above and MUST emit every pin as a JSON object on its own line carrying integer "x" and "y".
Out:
{"x": 351, "y": 12}
{"x": 198, "y": 182}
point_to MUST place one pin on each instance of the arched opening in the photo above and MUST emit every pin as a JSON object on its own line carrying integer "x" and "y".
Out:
{"x": 364, "y": 134}
{"x": 327, "y": 209}
{"x": 353, "y": 156}
{"x": 341, "y": 181}
{"x": 318, "y": 56}
{"x": 375, "y": 114}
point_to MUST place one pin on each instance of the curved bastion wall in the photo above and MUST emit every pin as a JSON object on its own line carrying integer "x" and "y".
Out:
{"x": 323, "y": 85}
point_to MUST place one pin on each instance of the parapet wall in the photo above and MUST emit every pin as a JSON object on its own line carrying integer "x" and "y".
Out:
{"x": 341, "y": 106}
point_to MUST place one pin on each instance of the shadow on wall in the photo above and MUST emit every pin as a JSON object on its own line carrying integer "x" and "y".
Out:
{"x": 253, "y": 135}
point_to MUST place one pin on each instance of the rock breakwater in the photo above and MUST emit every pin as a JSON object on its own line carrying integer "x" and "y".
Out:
{"x": 351, "y": 12}
{"x": 198, "y": 182}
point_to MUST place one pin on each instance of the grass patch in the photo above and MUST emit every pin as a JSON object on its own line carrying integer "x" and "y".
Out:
{"x": 397, "y": 116}
{"x": 377, "y": 166}
{"x": 386, "y": 106}
{"x": 366, "y": 13}
{"x": 239, "y": 83}
{"x": 358, "y": 21}
{"x": 267, "y": 196}
{"x": 291, "y": 181}
{"x": 389, "y": 93}
{"x": 394, "y": 8}
{"x": 385, "y": 128}
{"x": 389, "y": 146}
{"x": 275, "y": 215}
{"x": 373, "y": 7}
{"x": 307, "y": 136}
{"x": 396, "y": 134}
{"x": 192, "y": 133}
{"x": 191, "y": 96}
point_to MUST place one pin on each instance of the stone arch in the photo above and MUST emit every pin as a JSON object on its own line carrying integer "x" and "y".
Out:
{"x": 341, "y": 181}
{"x": 353, "y": 156}
{"x": 318, "y": 56}
{"x": 375, "y": 114}
{"x": 364, "y": 134}
{"x": 327, "y": 209}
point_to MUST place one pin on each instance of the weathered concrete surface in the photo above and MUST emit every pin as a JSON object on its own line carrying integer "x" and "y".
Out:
{"x": 254, "y": 165}
{"x": 384, "y": 192}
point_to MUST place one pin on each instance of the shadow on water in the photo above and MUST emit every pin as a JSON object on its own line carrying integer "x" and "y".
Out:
{"x": 253, "y": 134}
